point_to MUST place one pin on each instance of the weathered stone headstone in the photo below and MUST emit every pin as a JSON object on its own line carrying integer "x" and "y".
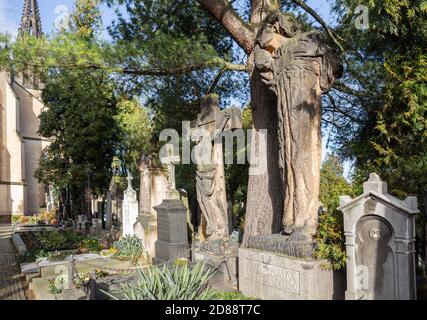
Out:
{"x": 153, "y": 189}
{"x": 96, "y": 226}
{"x": 86, "y": 228}
{"x": 172, "y": 236}
{"x": 81, "y": 220}
{"x": 380, "y": 243}
{"x": 130, "y": 209}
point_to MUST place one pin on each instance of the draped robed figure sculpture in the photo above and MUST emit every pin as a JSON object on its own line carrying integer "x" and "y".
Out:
{"x": 298, "y": 67}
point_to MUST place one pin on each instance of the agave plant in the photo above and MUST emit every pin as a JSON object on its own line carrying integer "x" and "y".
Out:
{"x": 130, "y": 248}
{"x": 178, "y": 283}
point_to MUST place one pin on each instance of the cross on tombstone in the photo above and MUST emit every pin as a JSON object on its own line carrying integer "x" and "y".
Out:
{"x": 129, "y": 179}
{"x": 170, "y": 160}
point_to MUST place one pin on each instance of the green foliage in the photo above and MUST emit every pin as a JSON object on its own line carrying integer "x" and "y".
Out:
{"x": 135, "y": 133}
{"x": 56, "y": 286}
{"x": 330, "y": 235}
{"x": 237, "y": 175}
{"x": 130, "y": 248}
{"x": 86, "y": 19}
{"x": 180, "y": 283}
{"x": 16, "y": 219}
{"x": 386, "y": 95}
{"x": 79, "y": 118}
{"x": 55, "y": 240}
{"x": 91, "y": 245}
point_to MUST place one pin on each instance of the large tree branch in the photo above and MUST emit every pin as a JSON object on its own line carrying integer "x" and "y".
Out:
{"x": 238, "y": 29}
{"x": 148, "y": 71}
{"x": 319, "y": 19}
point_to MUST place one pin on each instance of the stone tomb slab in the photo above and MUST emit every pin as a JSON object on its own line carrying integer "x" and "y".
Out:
{"x": 270, "y": 276}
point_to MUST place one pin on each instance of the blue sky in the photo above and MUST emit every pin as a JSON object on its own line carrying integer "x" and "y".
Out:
{"x": 50, "y": 10}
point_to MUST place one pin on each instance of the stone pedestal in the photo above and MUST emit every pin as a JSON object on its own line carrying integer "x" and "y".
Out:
{"x": 271, "y": 276}
{"x": 172, "y": 238}
{"x": 226, "y": 276}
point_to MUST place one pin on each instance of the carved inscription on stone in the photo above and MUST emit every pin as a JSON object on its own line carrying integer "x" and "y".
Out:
{"x": 163, "y": 227}
{"x": 284, "y": 279}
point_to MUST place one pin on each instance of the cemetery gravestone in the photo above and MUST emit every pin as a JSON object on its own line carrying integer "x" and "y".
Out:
{"x": 96, "y": 226}
{"x": 172, "y": 236}
{"x": 130, "y": 209}
{"x": 170, "y": 160}
{"x": 153, "y": 189}
{"x": 81, "y": 220}
{"x": 380, "y": 244}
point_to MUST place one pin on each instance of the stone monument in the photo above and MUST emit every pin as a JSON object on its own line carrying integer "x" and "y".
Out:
{"x": 130, "y": 208}
{"x": 153, "y": 189}
{"x": 380, "y": 242}
{"x": 172, "y": 236}
{"x": 298, "y": 67}
{"x": 207, "y": 131}
{"x": 170, "y": 159}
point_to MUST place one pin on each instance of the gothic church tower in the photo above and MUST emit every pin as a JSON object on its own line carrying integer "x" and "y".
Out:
{"x": 20, "y": 144}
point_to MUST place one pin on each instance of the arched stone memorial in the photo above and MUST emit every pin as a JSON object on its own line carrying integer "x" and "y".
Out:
{"x": 380, "y": 244}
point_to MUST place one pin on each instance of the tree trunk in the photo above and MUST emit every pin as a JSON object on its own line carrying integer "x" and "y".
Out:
{"x": 425, "y": 227}
{"x": 264, "y": 206}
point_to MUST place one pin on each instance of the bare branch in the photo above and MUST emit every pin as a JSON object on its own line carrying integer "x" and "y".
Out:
{"x": 150, "y": 71}
{"x": 239, "y": 30}
{"x": 319, "y": 19}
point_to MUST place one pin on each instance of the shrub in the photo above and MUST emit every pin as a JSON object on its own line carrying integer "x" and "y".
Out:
{"x": 90, "y": 245}
{"x": 23, "y": 220}
{"x": 330, "y": 232}
{"x": 15, "y": 219}
{"x": 59, "y": 240}
{"x": 129, "y": 248}
{"x": 330, "y": 242}
{"x": 47, "y": 216}
{"x": 179, "y": 283}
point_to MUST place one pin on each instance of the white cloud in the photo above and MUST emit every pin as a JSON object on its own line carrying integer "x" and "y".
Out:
{"x": 9, "y": 16}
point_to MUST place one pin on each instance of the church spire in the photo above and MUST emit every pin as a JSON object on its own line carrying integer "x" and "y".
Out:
{"x": 30, "y": 21}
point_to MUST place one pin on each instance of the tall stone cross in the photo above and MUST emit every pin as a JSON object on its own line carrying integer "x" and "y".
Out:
{"x": 210, "y": 177}
{"x": 170, "y": 160}
{"x": 129, "y": 179}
